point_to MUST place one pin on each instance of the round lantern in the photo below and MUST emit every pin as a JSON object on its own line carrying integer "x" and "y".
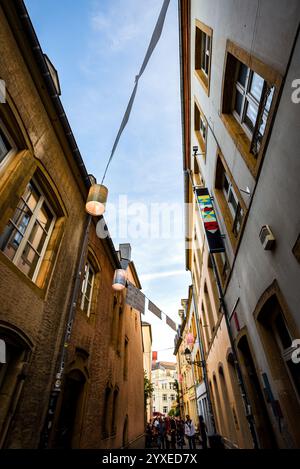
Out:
{"x": 190, "y": 339}
{"x": 119, "y": 281}
{"x": 96, "y": 200}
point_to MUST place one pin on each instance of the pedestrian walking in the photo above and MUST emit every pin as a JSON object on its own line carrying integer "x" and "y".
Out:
{"x": 180, "y": 434}
{"x": 189, "y": 431}
{"x": 203, "y": 432}
{"x": 173, "y": 433}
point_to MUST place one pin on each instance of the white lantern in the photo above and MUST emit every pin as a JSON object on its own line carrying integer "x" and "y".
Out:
{"x": 96, "y": 200}
{"x": 119, "y": 281}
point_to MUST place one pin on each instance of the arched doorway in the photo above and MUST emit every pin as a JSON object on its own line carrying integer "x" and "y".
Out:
{"x": 282, "y": 380}
{"x": 71, "y": 409}
{"x": 263, "y": 424}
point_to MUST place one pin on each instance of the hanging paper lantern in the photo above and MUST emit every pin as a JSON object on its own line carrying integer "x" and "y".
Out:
{"x": 190, "y": 339}
{"x": 96, "y": 200}
{"x": 119, "y": 281}
{"x": 154, "y": 356}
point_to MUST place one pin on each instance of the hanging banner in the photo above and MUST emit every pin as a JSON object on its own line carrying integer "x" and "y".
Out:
{"x": 154, "y": 309}
{"x": 171, "y": 323}
{"x": 135, "y": 298}
{"x": 213, "y": 235}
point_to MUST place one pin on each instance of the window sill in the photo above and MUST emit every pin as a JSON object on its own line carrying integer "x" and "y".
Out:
{"x": 202, "y": 144}
{"x": 242, "y": 142}
{"x": 203, "y": 80}
{"x": 227, "y": 217}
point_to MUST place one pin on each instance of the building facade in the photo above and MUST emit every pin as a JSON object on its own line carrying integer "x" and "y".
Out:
{"x": 241, "y": 134}
{"x": 163, "y": 379}
{"x": 43, "y": 226}
{"x": 147, "y": 361}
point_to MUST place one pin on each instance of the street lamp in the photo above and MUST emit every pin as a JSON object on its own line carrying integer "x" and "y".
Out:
{"x": 188, "y": 357}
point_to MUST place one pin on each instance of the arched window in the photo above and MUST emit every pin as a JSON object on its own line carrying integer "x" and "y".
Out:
{"x": 12, "y": 375}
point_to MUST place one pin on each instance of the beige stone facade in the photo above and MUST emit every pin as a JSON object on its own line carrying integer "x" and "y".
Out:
{"x": 43, "y": 189}
{"x": 239, "y": 119}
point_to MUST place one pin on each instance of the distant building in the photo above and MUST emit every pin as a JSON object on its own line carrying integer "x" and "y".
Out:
{"x": 147, "y": 360}
{"x": 163, "y": 378}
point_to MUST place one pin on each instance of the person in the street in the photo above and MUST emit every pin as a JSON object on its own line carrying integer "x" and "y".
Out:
{"x": 173, "y": 433}
{"x": 168, "y": 432}
{"x": 180, "y": 433}
{"x": 203, "y": 432}
{"x": 149, "y": 435}
{"x": 161, "y": 434}
{"x": 189, "y": 430}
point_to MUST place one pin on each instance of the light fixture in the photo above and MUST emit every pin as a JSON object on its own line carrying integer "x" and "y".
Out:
{"x": 188, "y": 355}
{"x": 96, "y": 201}
{"x": 120, "y": 279}
{"x": 195, "y": 151}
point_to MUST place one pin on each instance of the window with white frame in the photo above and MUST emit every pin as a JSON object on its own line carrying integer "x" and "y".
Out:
{"x": 165, "y": 409}
{"x": 25, "y": 237}
{"x": 233, "y": 204}
{"x": 87, "y": 288}
{"x": 251, "y": 105}
{"x": 164, "y": 397}
{"x": 200, "y": 126}
{"x": 203, "y": 47}
{"x": 172, "y": 397}
{"x": 205, "y": 52}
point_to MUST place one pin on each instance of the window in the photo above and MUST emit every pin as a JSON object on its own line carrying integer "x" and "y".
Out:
{"x": 87, "y": 289}
{"x": 250, "y": 88}
{"x": 200, "y": 125}
{"x": 5, "y": 146}
{"x": 172, "y": 397}
{"x": 125, "y": 374}
{"x": 25, "y": 237}
{"x": 154, "y": 408}
{"x": 164, "y": 397}
{"x": 203, "y": 48}
{"x": 230, "y": 202}
{"x": 233, "y": 204}
{"x": 171, "y": 386}
{"x": 165, "y": 409}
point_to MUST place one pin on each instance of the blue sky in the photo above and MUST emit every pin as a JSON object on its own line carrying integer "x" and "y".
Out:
{"x": 98, "y": 47}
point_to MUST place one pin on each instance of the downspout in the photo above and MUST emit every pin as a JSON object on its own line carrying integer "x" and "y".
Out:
{"x": 56, "y": 390}
{"x": 205, "y": 376}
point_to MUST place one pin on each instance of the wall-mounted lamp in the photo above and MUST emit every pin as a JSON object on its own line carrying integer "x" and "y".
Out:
{"x": 188, "y": 357}
{"x": 195, "y": 151}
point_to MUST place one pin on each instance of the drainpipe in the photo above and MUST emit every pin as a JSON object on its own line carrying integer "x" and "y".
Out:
{"x": 205, "y": 377}
{"x": 247, "y": 405}
{"x": 56, "y": 390}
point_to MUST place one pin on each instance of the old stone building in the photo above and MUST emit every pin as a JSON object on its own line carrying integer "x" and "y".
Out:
{"x": 163, "y": 379}
{"x": 147, "y": 361}
{"x": 239, "y": 63}
{"x": 43, "y": 225}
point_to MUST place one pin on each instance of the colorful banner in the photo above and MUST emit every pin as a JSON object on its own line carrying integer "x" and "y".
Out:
{"x": 213, "y": 235}
{"x": 154, "y": 309}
